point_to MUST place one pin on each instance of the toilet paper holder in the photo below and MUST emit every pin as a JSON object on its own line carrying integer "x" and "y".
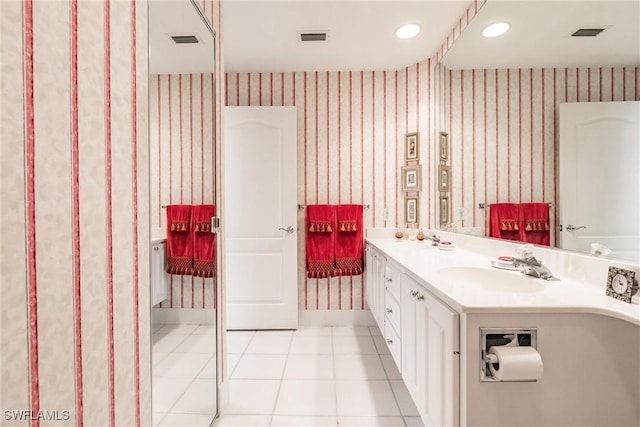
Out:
{"x": 490, "y": 337}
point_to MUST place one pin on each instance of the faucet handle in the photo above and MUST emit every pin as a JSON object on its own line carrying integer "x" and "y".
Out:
{"x": 524, "y": 251}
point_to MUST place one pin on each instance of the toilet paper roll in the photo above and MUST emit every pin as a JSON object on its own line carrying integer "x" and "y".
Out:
{"x": 516, "y": 363}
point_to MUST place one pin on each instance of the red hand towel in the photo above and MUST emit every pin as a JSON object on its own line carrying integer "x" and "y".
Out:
{"x": 534, "y": 223}
{"x": 349, "y": 261}
{"x": 204, "y": 241}
{"x": 320, "y": 240}
{"x": 179, "y": 245}
{"x": 503, "y": 221}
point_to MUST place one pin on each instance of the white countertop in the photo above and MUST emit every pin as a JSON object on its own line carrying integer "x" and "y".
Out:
{"x": 568, "y": 295}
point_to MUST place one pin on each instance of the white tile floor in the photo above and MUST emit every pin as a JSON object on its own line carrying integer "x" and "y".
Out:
{"x": 184, "y": 368}
{"x": 329, "y": 376}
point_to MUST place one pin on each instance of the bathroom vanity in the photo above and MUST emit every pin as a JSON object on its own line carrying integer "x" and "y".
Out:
{"x": 431, "y": 306}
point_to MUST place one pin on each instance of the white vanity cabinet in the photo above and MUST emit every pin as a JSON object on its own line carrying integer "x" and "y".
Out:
{"x": 430, "y": 354}
{"x": 422, "y": 334}
{"x": 159, "y": 277}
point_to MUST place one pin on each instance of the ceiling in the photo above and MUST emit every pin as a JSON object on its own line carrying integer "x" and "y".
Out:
{"x": 261, "y": 35}
{"x": 540, "y": 35}
{"x": 178, "y": 17}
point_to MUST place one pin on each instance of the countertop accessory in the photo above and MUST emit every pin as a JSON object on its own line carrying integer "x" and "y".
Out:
{"x": 599, "y": 250}
{"x": 504, "y": 263}
{"x": 621, "y": 284}
{"x": 446, "y": 246}
{"x": 420, "y": 235}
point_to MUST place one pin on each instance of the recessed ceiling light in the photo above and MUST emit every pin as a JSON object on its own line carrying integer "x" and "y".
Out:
{"x": 495, "y": 30}
{"x": 408, "y": 31}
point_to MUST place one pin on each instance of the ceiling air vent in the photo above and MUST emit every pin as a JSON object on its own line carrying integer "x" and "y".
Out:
{"x": 587, "y": 32}
{"x": 312, "y": 36}
{"x": 185, "y": 39}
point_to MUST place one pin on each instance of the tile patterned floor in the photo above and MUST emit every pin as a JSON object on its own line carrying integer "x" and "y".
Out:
{"x": 184, "y": 368}
{"x": 324, "y": 376}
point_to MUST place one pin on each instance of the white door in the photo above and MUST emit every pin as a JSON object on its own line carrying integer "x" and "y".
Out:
{"x": 260, "y": 188}
{"x": 599, "y": 177}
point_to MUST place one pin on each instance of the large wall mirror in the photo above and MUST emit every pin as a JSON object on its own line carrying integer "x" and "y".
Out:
{"x": 182, "y": 187}
{"x": 499, "y": 103}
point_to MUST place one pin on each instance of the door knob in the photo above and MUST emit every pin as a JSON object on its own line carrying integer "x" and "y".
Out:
{"x": 574, "y": 228}
{"x": 289, "y": 229}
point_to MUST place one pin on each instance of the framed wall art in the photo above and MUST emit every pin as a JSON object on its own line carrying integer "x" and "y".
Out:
{"x": 444, "y": 210}
{"x": 411, "y": 214}
{"x": 444, "y": 178}
{"x": 411, "y": 178}
{"x": 443, "y": 147}
{"x": 412, "y": 146}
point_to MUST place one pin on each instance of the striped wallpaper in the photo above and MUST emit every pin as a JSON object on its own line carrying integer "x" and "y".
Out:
{"x": 351, "y": 128}
{"x": 74, "y": 205}
{"x": 182, "y": 163}
{"x": 75, "y": 211}
{"x": 503, "y": 130}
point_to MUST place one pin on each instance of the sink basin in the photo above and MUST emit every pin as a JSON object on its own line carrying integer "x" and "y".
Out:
{"x": 490, "y": 279}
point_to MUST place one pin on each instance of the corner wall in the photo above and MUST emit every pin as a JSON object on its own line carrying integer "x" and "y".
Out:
{"x": 351, "y": 128}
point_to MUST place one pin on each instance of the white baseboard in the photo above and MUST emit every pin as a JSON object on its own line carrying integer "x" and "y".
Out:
{"x": 335, "y": 318}
{"x": 199, "y": 316}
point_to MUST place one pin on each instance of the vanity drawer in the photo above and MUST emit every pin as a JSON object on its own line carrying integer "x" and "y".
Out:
{"x": 392, "y": 311}
{"x": 393, "y": 342}
{"x": 392, "y": 281}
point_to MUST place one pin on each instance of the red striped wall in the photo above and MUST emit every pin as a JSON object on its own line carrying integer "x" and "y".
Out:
{"x": 182, "y": 124}
{"x": 75, "y": 209}
{"x": 74, "y": 178}
{"x": 351, "y": 128}
{"x": 503, "y": 130}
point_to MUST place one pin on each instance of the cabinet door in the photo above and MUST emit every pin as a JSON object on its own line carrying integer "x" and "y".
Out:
{"x": 380, "y": 284}
{"x": 368, "y": 273}
{"x": 430, "y": 354}
{"x": 413, "y": 339}
{"x": 159, "y": 279}
{"x": 374, "y": 287}
{"x": 441, "y": 363}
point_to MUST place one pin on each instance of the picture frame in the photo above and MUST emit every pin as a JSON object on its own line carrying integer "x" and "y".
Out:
{"x": 444, "y": 178}
{"x": 411, "y": 210}
{"x": 443, "y": 146}
{"x": 412, "y": 146}
{"x": 620, "y": 283}
{"x": 411, "y": 179}
{"x": 444, "y": 210}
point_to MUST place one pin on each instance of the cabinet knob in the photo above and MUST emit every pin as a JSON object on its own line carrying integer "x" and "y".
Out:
{"x": 388, "y": 279}
{"x": 413, "y": 293}
{"x": 389, "y": 341}
{"x": 156, "y": 249}
{"x": 419, "y": 297}
{"x": 389, "y": 311}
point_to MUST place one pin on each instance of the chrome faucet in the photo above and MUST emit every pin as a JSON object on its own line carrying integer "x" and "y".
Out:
{"x": 534, "y": 268}
{"x": 435, "y": 239}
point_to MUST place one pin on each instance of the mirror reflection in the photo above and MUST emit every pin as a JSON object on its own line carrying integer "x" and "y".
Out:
{"x": 182, "y": 159}
{"x": 520, "y": 134}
